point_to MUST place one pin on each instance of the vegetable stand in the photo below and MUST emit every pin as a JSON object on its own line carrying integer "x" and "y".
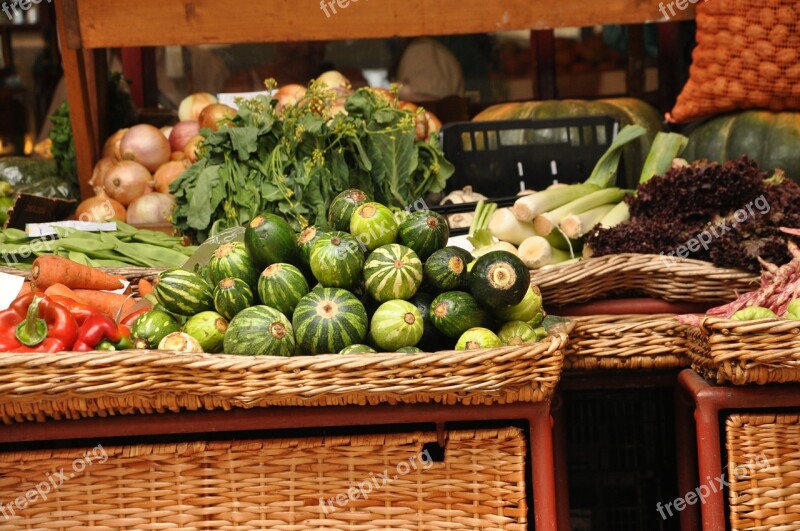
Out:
{"x": 87, "y": 26}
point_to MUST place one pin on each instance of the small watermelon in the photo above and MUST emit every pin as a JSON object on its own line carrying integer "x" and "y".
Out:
{"x": 269, "y": 239}
{"x": 478, "y": 338}
{"x": 327, "y": 320}
{"x": 425, "y": 232}
{"x": 231, "y": 296}
{"x": 373, "y": 225}
{"x": 231, "y": 260}
{"x": 392, "y": 272}
{"x": 337, "y": 260}
{"x": 281, "y": 286}
{"x": 343, "y": 206}
{"x": 260, "y": 331}
{"x": 305, "y": 241}
{"x": 446, "y": 270}
{"x": 183, "y": 293}
{"x": 358, "y": 348}
{"x": 396, "y": 324}
{"x": 455, "y": 312}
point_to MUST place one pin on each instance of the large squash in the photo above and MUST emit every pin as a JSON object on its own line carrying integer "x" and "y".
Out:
{"x": 770, "y": 138}
{"x": 625, "y": 110}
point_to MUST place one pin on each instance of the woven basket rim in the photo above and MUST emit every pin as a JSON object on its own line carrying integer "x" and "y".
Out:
{"x": 709, "y": 325}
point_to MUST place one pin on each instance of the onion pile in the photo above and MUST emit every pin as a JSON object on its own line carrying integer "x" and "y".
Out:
{"x": 146, "y": 145}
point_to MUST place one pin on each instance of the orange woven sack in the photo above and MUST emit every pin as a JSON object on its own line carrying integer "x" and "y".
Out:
{"x": 747, "y": 56}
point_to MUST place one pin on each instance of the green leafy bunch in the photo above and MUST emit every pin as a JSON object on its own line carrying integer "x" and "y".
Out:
{"x": 294, "y": 161}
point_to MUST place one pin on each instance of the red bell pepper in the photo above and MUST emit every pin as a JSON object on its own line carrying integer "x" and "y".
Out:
{"x": 97, "y": 329}
{"x": 37, "y": 324}
{"x": 81, "y": 312}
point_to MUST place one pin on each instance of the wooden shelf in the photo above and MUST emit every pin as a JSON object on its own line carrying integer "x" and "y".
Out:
{"x": 87, "y": 25}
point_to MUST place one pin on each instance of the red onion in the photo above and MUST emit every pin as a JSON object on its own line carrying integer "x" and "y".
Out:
{"x": 100, "y": 208}
{"x": 193, "y": 105}
{"x": 127, "y": 181}
{"x": 152, "y": 208}
{"x": 167, "y": 173}
{"x": 146, "y": 145}
{"x": 182, "y": 132}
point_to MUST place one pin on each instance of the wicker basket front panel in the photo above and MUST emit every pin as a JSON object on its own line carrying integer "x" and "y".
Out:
{"x": 675, "y": 279}
{"x": 279, "y": 484}
{"x": 746, "y": 352}
{"x": 35, "y": 387}
{"x": 764, "y": 471}
{"x": 636, "y": 342}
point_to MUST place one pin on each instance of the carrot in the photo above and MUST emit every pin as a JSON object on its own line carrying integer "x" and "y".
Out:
{"x": 25, "y": 289}
{"x": 60, "y": 290}
{"x": 145, "y": 287}
{"x": 109, "y": 303}
{"x": 49, "y": 270}
{"x": 129, "y": 289}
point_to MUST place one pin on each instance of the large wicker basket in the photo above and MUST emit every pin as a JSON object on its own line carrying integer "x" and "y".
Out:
{"x": 763, "y": 470}
{"x": 671, "y": 279}
{"x": 638, "y": 342}
{"x": 746, "y": 352}
{"x": 73, "y": 385}
{"x": 372, "y": 482}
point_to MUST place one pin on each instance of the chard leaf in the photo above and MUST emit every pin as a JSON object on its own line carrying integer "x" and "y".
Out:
{"x": 201, "y": 206}
{"x": 244, "y": 140}
{"x": 395, "y": 158}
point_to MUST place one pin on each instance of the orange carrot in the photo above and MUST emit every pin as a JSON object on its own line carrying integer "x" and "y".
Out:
{"x": 25, "y": 289}
{"x": 109, "y": 303}
{"x": 61, "y": 290}
{"x": 145, "y": 287}
{"x": 49, "y": 270}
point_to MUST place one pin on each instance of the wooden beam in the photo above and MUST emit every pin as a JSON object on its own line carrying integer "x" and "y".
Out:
{"x": 119, "y": 23}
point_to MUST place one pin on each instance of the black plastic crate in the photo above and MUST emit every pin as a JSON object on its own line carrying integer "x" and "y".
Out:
{"x": 499, "y": 158}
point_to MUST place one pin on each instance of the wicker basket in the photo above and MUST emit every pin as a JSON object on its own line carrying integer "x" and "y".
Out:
{"x": 764, "y": 471}
{"x": 746, "y": 352}
{"x": 277, "y": 484}
{"x": 639, "y": 342}
{"x": 73, "y": 385}
{"x": 653, "y": 275}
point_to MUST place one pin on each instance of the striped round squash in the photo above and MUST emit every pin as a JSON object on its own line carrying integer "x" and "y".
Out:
{"x": 392, "y": 272}
{"x": 425, "y": 232}
{"x": 231, "y": 296}
{"x": 396, "y": 324}
{"x": 183, "y": 293}
{"x": 281, "y": 286}
{"x": 337, "y": 260}
{"x": 260, "y": 331}
{"x": 327, "y": 320}
{"x": 231, "y": 260}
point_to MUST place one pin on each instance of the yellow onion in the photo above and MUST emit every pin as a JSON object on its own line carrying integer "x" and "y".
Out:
{"x": 100, "y": 208}
{"x": 102, "y": 168}
{"x": 146, "y": 145}
{"x": 192, "y": 149}
{"x": 216, "y": 115}
{"x": 182, "y": 132}
{"x": 193, "y": 105}
{"x": 111, "y": 147}
{"x": 151, "y": 209}
{"x": 167, "y": 173}
{"x": 127, "y": 181}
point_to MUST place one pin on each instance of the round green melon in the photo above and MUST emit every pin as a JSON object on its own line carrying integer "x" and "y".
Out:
{"x": 269, "y": 239}
{"x": 373, "y": 225}
{"x": 478, "y": 338}
{"x": 409, "y": 350}
{"x": 183, "y": 292}
{"x": 517, "y": 333}
{"x": 358, "y": 348}
{"x": 327, "y": 320}
{"x": 337, "y": 260}
{"x": 396, "y": 324}
{"x": 446, "y": 270}
{"x": 281, "y": 286}
{"x": 209, "y": 329}
{"x": 343, "y": 206}
{"x": 455, "y": 312}
{"x": 260, "y": 331}
{"x": 231, "y": 296}
{"x": 392, "y": 272}
{"x": 305, "y": 241}
{"x": 425, "y": 232}
{"x": 231, "y": 260}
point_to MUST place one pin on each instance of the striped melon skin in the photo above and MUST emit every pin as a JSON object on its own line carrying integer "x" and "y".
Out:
{"x": 392, "y": 272}
{"x": 343, "y": 206}
{"x": 337, "y": 260}
{"x": 305, "y": 241}
{"x": 327, "y": 320}
{"x": 445, "y": 269}
{"x": 183, "y": 293}
{"x": 396, "y": 324}
{"x": 231, "y": 296}
{"x": 260, "y": 331}
{"x": 231, "y": 260}
{"x": 281, "y": 286}
{"x": 425, "y": 232}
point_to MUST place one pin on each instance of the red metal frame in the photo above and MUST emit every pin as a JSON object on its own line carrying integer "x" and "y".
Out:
{"x": 541, "y": 479}
{"x": 709, "y": 400}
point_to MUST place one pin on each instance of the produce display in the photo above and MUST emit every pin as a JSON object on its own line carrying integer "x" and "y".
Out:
{"x": 293, "y": 156}
{"x": 323, "y": 291}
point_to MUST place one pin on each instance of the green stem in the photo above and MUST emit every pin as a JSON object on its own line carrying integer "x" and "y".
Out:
{"x": 32, "y": 330}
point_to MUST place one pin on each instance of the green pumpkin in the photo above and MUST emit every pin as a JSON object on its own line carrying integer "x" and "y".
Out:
{"x": 769, "y": 138}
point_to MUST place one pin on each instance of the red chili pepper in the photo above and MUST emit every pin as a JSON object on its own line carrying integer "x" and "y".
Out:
{"x": 36, "y": 324}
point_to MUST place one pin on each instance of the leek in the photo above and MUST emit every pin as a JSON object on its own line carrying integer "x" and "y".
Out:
{"x": 617, "y": 215}
{"x": 526, "y": 208}
{"x": 605, "y": 171}
{"x": 506, "y": 227}
{"x": 666, "y": 148}
{"x": 545, "y": 223}
{"x": 576, "y": 225}
{"x": 536, "y": 252}
{"x": 479, "y": 234}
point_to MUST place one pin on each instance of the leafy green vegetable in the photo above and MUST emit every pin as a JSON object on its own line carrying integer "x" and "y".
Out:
{"x": 294, "y": 162}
